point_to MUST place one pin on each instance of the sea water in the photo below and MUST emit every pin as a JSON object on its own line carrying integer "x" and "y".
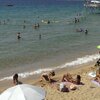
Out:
{"x": 60, "y": 46}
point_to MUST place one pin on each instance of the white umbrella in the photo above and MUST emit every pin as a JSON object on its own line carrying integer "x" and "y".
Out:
{"x": 23, "y": 92}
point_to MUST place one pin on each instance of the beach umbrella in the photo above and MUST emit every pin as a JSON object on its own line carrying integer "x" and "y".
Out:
{"x": 23, "y": 92}
{"x": 98, "y": 46}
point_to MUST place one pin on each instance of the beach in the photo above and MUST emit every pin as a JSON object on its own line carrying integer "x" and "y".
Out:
{"x": 88, "y": 91}
{"x": 52, "y": 37}
{"x": 59, "y": 35}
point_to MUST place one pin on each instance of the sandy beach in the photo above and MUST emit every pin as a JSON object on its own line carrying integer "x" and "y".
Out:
{"x": 88, "y": 91}
{"x": 44, "y": 35}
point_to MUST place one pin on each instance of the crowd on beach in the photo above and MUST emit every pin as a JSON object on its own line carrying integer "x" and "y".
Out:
{"x": 67, "y": 83}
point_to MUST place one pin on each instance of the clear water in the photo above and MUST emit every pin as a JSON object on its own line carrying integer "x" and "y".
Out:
{"x": 59, "y": 44}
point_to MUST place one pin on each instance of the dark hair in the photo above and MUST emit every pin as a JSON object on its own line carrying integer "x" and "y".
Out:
{"x": 78, "y": 77}
{"x": 78, "y": 80}
{"x": 15, "y": 76}
{"x": 52, "y": 73}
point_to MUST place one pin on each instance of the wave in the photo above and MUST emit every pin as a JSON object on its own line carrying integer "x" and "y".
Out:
{"x": 78, "y": 61}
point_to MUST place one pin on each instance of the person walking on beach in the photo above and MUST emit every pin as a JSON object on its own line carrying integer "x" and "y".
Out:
{"x": 18, "y": 35}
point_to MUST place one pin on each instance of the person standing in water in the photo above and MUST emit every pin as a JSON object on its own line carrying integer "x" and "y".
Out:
{"x": 75, "y": 20}
{"x": 39, "y": 36}
{"x": 24, "y": 26}
{"x": 18, "y": 35}
{"x": 86, "y": 31}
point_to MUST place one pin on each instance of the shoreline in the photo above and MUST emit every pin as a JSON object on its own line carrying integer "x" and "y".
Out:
{"x": 34, "y": 79}
{"x": 28, "y": 71}
{"x": 88, "y": 91}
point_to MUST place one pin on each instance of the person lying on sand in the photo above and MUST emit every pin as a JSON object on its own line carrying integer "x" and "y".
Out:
{"x": 97, "y": 78}
{"x": 62, "y": 87}
{"x": 66, "y": 86}
{"x": 68, "y": 78}
{"x": 47, "y": 76}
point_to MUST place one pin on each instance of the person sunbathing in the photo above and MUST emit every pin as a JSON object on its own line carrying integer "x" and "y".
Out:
{"x": 97, "y": 63}
{"x": 98, "y": 72}
{"x": 68, "y": 78}
{"x": 67, "y": 86}
{"x": 15, "y": 79}
{"x": 63, "y": 87}
{"x": 97, "y": 78}
{"x": 47, "y": 76}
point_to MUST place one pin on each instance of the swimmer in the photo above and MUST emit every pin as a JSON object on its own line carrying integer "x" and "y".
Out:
{"x": 39, "y": 36}
{"x": 86, "y": 31}
{"x": 18, "y": 35}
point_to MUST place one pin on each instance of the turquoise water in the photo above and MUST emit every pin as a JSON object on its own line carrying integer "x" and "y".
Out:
{"x": 59, "y": 44}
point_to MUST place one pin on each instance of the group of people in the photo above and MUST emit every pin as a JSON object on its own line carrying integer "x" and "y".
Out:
{"x": 19, "y": 36}
{"x": 36, "y": 26}
{"x": 68, "y": 78}
{"x": 4, "y": 22}
{"x": 67, "y": 82}
{"x": 76, "y": 20}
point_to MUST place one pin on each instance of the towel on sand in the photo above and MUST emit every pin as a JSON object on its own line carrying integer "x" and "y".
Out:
{"x": 92, "y": 74}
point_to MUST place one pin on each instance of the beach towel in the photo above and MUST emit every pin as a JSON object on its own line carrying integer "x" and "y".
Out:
{"x": 96, "y": 83}
{"x": 92, "y": 74}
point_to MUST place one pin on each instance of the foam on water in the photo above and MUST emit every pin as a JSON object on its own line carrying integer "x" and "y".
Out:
{"x": 78, "y": 61}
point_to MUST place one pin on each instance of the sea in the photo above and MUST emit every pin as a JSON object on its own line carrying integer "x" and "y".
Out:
{"x": 59, "y": 44}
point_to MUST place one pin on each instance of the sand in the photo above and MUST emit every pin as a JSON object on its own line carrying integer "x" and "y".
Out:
{"x": 88, "y": 91}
